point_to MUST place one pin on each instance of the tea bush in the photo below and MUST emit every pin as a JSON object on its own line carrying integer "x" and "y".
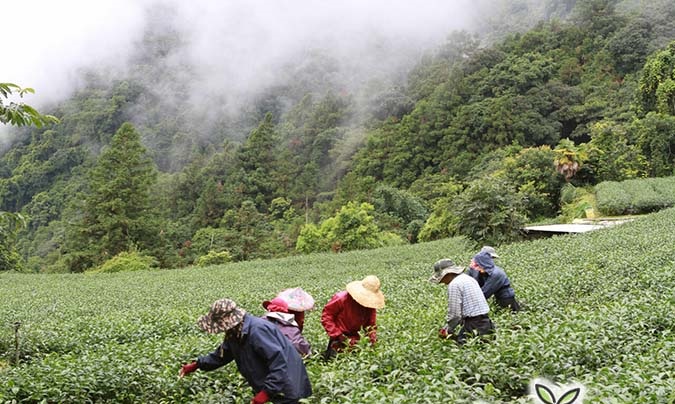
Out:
{"x": 598, "y": 311}
{"x": 635, "y": 196}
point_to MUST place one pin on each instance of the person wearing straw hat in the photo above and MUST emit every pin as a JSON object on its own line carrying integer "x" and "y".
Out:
{"x": 264, "y": 356}
{"x": 350, "y": 311}
{"x": 466, "y": 304}
{"x": 288, "y": 314}
{"x": 492, "y": 279}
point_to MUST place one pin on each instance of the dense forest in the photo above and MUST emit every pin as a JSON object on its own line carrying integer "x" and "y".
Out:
{"x": 486, "y": 132}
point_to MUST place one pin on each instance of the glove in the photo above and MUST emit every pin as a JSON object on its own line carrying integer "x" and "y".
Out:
{"x": 261, "y": 398}
{"x": 443, "y": 333}
{"x": 341, "y": 340}
{"x": 187, "y": 369}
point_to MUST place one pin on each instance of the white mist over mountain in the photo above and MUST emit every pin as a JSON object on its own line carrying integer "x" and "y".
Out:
{"x": 235, "y": 47}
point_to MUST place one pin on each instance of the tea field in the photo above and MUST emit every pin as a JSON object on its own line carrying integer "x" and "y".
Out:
{"x": 600, "y": 311}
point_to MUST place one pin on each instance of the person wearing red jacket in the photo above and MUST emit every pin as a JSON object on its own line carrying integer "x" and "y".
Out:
{"x": 349, "y": 312}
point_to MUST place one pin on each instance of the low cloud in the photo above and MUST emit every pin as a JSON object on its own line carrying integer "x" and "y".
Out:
{"x": 234, "y": 48}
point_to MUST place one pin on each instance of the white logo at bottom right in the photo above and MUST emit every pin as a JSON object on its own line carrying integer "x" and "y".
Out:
{"x": 547, "y": 392}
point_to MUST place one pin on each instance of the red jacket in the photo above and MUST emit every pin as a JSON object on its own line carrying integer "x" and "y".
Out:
{"x": 343, "y": 315}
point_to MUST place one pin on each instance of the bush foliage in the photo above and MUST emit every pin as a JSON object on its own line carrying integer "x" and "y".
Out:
{"x": 126, "y": 262}
{"x": 352, "y": 228}
{"x": 635, "y": 196}
{"x": 213, "y": 258}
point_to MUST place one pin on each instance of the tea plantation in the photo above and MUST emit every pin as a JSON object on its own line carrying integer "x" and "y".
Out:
{"x": 600, "y": 310}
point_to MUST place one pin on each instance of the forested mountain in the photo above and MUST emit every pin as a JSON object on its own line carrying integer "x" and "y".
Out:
{"x": 483, "y": 133}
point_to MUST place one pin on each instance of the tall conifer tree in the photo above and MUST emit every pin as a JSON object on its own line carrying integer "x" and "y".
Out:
{"x": 117, "y": 211}
{"x": 256, "y": 162}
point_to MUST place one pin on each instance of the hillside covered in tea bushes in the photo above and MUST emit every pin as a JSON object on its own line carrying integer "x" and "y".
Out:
{"x": 598, "y": 311}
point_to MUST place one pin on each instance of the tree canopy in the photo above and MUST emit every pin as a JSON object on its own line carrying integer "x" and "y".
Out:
{"x": 19, "y": 113}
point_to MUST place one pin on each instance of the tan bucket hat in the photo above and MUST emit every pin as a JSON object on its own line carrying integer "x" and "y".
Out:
{"x": 223, "y": 315}
{"x": 367, "y": 292}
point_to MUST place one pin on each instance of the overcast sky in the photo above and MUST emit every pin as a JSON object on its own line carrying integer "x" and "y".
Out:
{"x": 47, "y": 41}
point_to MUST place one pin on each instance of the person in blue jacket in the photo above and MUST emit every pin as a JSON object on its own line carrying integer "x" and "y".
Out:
{"x": 492, "y": 279}
{"x": 264, "y": 356}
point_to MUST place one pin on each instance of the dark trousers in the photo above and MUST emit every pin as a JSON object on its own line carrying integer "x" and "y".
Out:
{"x": 332, "y": 349}
{"x": 509, "y": 302}
{"x": 479, "y": 325}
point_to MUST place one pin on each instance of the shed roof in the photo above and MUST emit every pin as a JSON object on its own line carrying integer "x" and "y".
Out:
{"x": 574, "y": 227}
{"x": 564, "y": 228}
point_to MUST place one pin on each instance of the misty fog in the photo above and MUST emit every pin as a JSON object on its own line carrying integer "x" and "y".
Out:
{"x": 226, "y": 53}
{"x": 233, "y": 48}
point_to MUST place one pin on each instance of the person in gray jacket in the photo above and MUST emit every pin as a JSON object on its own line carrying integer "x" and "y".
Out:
{"x": 287, "y": 322}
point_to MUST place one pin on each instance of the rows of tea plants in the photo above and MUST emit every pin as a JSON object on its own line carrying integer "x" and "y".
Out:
{"x": 642, "y": 195}
{"x": 598, "y": 311}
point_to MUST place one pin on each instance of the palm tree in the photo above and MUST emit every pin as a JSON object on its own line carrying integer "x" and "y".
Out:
{"x": 569, "y": 158}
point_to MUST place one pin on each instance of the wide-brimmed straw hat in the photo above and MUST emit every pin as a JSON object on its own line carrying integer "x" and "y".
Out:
{"x": 223, "y": 315}
{"x": 444, "y": 267}
{"x": 367, "y": 292}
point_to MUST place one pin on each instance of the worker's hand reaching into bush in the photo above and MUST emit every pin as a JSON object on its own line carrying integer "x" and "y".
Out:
{"x": 187, "y": 369}
{"x": 443, "y": 333}
{"x": 261, "y": 398}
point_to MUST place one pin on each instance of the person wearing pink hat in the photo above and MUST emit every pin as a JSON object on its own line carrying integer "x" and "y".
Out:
{"x": 349, "y": 312}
